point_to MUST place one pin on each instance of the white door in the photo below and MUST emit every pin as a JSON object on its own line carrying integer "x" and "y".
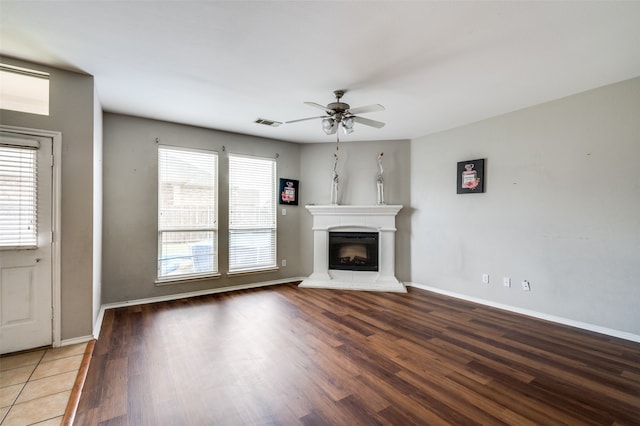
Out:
{"x": 25, "y": 241}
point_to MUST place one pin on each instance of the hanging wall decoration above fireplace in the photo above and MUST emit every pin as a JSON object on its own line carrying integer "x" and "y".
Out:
{"x": 470, "y": 176}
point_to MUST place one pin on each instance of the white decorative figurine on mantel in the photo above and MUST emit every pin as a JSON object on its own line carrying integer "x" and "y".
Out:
{"x": 334, "y": 182}
{"x": 380, "y": 181}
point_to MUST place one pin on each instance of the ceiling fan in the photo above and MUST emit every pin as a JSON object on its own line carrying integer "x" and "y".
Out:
{"x": 340, "y": 113}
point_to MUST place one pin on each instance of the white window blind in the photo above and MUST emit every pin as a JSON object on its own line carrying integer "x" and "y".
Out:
{"x": 187, "y": 212}
{"x": 18, "y": 197}
{"x": 252, "y": 213}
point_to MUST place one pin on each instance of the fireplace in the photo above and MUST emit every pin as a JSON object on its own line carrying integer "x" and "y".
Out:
{"x": 354, "y": 248}
{"x": 353, "y": 251}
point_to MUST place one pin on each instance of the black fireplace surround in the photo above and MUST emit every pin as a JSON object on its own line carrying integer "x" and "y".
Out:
{"x": 353, "y": 251}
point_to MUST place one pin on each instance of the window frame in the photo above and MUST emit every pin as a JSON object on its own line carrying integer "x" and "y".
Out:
{"x": 25, "y": 90}
{"x": 161, "y": 230}
{"x": 273, "y": 227}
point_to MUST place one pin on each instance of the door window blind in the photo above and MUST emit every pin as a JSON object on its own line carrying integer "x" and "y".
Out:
{"x": 252, "y": 213}
{"x": 18, "y": 197}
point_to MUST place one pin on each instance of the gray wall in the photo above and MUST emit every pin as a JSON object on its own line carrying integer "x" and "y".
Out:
{"x": 357, "y": 169}
{"x": 130, "y": 204}
{"x": 72, "y": 113}
{"x": 561, "y": 208}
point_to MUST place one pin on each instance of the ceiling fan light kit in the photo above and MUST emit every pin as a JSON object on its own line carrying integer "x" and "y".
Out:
{"x": 340, "y": 114}
{"x": 347, "y": 125}
{"x": 329, "y": 126}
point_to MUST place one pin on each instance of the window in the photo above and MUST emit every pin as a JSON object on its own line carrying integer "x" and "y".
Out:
{"x": 24, "y": 90}
{"x": 252, "y": 213}
{"x": 18, "y": 196}
{"x": 187, "y": 213}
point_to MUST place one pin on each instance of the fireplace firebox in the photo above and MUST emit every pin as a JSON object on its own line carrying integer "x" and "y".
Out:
{"x": 353, "y": 251}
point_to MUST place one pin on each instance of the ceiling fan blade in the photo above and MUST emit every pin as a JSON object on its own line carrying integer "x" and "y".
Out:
{"x": 368, "y": 122}
{"x": 322, "y": 107}
{"x": 304, "y": 119}
{"x": 368, "y": 108}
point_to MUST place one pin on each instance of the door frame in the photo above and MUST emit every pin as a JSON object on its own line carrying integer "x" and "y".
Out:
{"x": 56, "y": 223}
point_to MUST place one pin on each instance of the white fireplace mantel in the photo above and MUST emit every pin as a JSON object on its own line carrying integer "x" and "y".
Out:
{"x": 375, "y": 218}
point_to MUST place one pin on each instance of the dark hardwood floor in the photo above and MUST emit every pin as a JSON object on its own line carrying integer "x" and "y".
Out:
{"x": 283, "y": 355}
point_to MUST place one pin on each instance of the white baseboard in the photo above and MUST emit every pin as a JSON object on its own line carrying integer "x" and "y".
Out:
{"x": 98, "y": 325}
{"x": 76, "y": 340}
{"x": 560, "y": 320}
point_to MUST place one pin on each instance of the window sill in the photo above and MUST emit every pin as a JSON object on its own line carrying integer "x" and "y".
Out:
{"x": 252, "y": 271}
{"x": 182, "y": 280}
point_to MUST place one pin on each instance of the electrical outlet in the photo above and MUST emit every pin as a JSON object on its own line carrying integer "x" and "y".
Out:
{"x": 284, "y": 212}
{"x": 485, "y": 278}
{"x": 506, "y": 281}
{"x": 284, "y": 262}
{"x": 526, "y": 286}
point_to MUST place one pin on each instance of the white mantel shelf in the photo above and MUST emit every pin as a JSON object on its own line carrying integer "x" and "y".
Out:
{"x": 333, "y": 210}
{"x": 373, "y": 218}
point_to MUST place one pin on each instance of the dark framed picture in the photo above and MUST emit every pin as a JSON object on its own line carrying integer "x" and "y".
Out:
{"x": 288, "y": 192}
{"x": 470, "y": 176}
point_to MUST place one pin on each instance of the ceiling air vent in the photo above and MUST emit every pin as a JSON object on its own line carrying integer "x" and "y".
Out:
{"x": 267, "y": 122}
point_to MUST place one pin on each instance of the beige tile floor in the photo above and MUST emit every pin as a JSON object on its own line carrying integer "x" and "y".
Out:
{"x": 35, "y": 386}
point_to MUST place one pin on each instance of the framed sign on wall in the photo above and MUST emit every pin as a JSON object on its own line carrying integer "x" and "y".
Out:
{"x": 288, "y": 192}
{"x": 470, "y": 176}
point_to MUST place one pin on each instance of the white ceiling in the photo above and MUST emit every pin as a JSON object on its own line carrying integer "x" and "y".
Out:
{"x": 433, "y": 65}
